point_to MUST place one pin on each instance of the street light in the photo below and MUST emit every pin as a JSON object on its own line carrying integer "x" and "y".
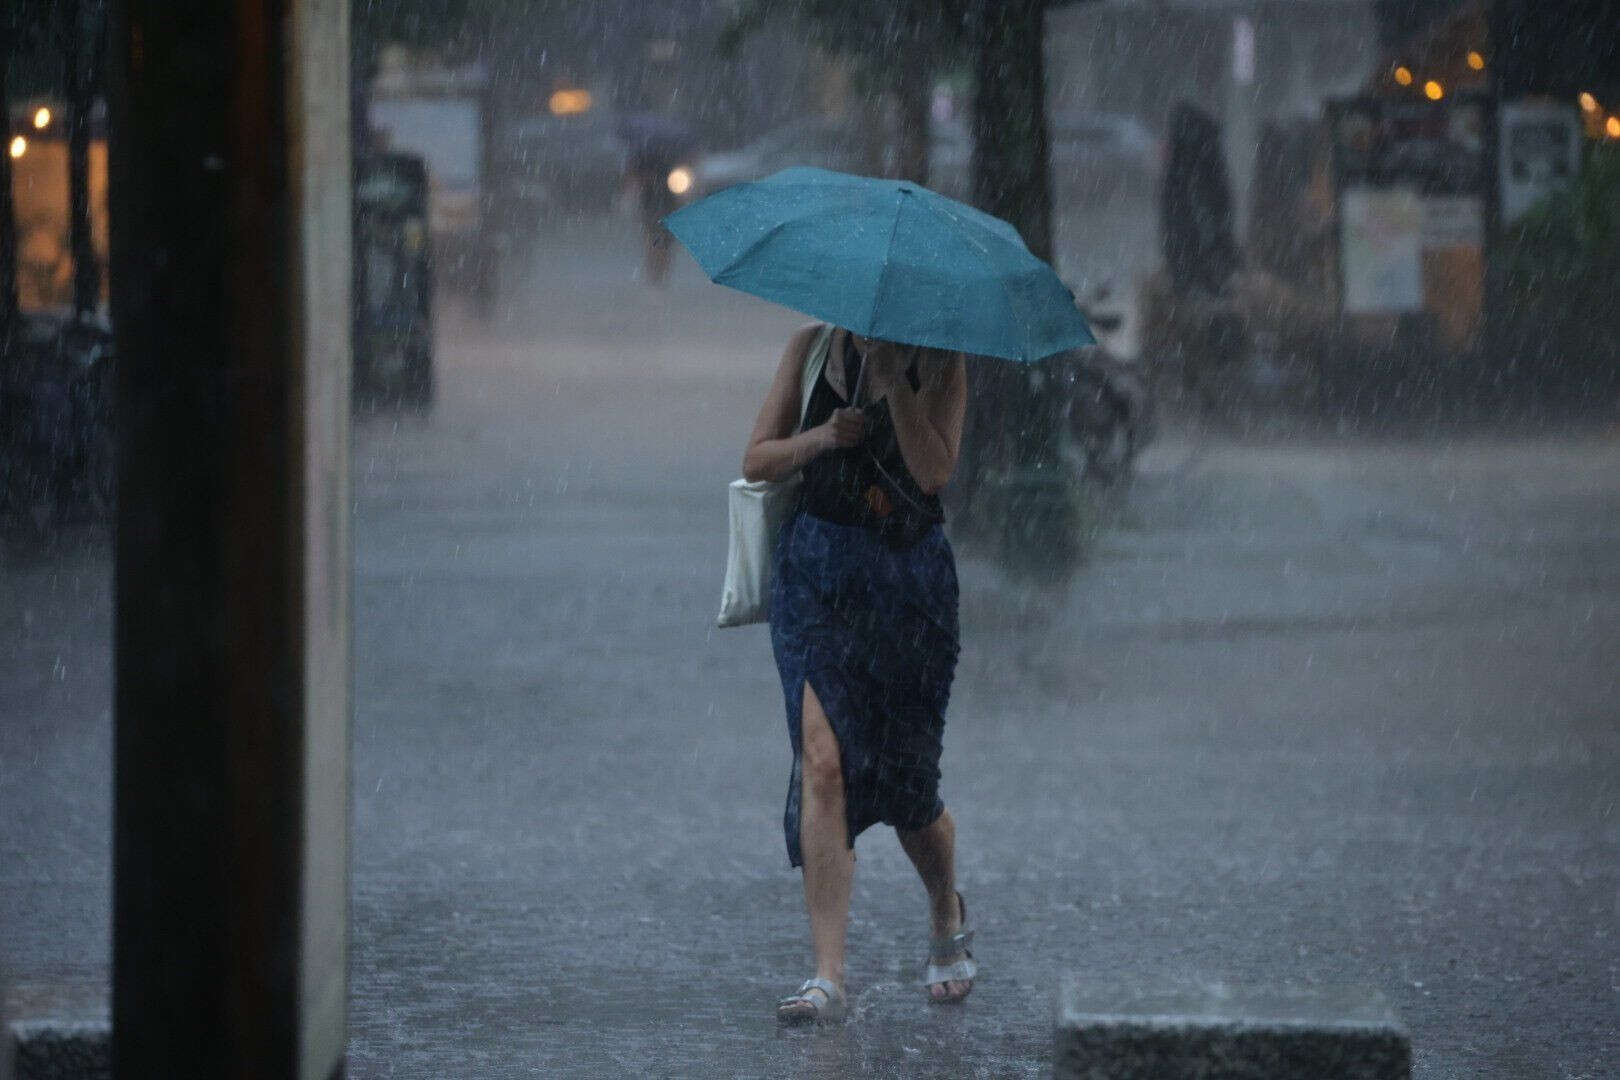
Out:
{"x": 1588, "y": 102}
{"x": 42, "y": 118}
{"x": 1433, "y": 90}
{"x": 1476, "y": 60}
{"x": 19, "y": 146}
{"x": 1612, "y": 127}
{"x": 1403, "y": 75}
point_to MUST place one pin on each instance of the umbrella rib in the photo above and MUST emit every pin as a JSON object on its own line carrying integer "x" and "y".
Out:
{"x": 883, "y": 274}
{"x": 1012, "y": 306}
{"x": 753, "y": 246}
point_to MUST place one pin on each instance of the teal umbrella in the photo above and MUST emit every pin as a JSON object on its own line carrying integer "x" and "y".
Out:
{"x": 885, "y": 258}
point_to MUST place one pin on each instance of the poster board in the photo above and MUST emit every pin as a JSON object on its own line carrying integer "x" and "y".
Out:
{"x": 1382, "y": 250}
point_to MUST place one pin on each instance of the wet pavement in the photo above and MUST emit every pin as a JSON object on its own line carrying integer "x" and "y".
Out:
{"x": 1314, "y": 713}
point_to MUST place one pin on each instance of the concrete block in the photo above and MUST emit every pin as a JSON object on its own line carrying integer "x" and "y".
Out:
{"x": 1211, "y": 1031}
{"x": 55, "y": 1050}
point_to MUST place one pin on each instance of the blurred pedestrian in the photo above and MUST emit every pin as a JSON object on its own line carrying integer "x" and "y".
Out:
{"x": 654, "y": 145}
{"x": 863, "y": 613}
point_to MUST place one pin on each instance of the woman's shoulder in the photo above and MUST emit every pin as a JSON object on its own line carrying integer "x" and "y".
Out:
{"x": 807, "y": 333}
{"x": 803, "y": 338}
{"x": 942, "y": 368}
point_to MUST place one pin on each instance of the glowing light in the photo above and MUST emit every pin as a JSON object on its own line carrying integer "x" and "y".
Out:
{"x": 1613, "y": 127}
{"x": 570, "y": 102}
{"x": 1588, "y": 102}
{"x": 1476, "y": 61}
{"x": 680, "y": 180}
{"x": 19, "y": 146}
{"x": 1403, "y": 75}
{"x": 42, "y": 118}
{"x": 1433, "y": 90}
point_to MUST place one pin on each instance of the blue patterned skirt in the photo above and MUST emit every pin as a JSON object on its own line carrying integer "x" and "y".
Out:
{"x": 873, "y": 630}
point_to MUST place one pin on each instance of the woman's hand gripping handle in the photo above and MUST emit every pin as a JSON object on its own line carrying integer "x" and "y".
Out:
{"x": 776, "y": 450}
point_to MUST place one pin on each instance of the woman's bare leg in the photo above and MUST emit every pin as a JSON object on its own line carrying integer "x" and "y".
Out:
{"x": 932, "y": 851}
{"x": 829, "y": 865}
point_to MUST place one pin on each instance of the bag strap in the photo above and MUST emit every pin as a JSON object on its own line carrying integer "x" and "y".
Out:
{"x": 927, "y": 513}
{"x": 814, "y": 361}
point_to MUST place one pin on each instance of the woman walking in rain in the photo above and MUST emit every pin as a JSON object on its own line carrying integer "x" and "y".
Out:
{"x": 863, "y": 585}
{"x": 864, "y": 629}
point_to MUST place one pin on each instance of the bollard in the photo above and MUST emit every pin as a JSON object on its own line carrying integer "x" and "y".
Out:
{"x": 1209, "y": 1030}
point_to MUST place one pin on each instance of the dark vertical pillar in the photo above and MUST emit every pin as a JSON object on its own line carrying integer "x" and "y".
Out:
{"x": 230, "y": 258}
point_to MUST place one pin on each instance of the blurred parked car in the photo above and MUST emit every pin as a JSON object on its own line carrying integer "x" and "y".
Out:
{"x": 546, "y": 163}
{"x": 828, "y": 144}
{"x": 1100, "y": 150}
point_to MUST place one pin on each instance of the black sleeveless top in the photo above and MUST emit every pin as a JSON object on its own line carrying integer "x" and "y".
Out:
{"x": 866, "y": 485}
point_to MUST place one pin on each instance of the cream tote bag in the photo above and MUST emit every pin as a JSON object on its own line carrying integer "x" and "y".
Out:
{"x": 758, "y": 510}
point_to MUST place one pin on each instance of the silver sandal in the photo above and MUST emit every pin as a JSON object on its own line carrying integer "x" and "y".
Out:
{"x": 942, "y": 969}
{"x": 801, "y": 1008}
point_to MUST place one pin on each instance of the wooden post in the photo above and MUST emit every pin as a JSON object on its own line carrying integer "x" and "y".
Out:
{"x": 230, "y": 206}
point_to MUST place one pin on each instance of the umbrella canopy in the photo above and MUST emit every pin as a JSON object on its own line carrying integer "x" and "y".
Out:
{"x": 885, "y": 258}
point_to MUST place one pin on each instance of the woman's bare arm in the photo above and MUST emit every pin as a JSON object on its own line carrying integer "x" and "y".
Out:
{"x": 928, "y": 422}
{"x": 775, "y": 451}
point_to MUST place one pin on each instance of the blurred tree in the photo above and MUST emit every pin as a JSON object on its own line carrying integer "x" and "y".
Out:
{"x": 896, "y": 48}
{"x": 902, "y": 46}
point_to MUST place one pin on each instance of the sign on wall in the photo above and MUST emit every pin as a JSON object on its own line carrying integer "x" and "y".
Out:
{"x": 1382, "y": 250}
{"x": 1540, "y": 153}
{"x": 1453, "y": 221}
